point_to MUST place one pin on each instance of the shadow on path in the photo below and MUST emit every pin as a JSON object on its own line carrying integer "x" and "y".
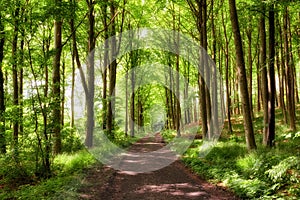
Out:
{"x": 172, "y": 182}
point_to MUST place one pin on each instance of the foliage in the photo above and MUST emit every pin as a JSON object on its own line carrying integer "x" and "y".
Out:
{"x": 69, "y": 170}
{"x": 264, "y": 173}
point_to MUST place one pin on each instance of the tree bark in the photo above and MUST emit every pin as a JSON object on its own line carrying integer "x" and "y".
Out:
{"x": 249, "y": 133}
{"x": 90, "y": 123}
{"x": 270, "y": 137}
{"x": 289, "y": 74}
{"x": 282, "y": 78}
{"x": 15, "y": 78}
{"x": 112, "y": 76}
{"x": 250, "y": 63}
{"x": 264, "y": 75}
{"x": 2, "y": 94}
{"x": 105, "y": 63}
{"x": 56, "y": 93}
{"x": 56, "y": 81}
{"x": 227, "y": 76}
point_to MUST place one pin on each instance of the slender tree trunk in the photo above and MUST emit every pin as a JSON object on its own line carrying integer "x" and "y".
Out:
{"x": 90, "y": 77}
{"x": 215, "y": 81}
{"x": 258, "y": 83}
{"x": 289, "y": 74}
{"x": 15, "y": 77}
{"x": 227, "y": 76}
{"x": 21, "y": 125}
{"x": 171, "y": 95}
{"x": 264, "y": 74}
{"x": 250, "y": 63}
{"x": 63, "y": 91}
{"x": 270, "y": 137}
{"x": 126, "y": 103}
{"x": 296, "y": 97}
{"x": 249, "y": 133}
{"x": 104, "y": 71}
{"x": 281, "y": 71}
{"x": 77, "y": 59}
{"x": 177, "y": 92}
{"x": 112, "y": 76}
{"x": 72, "y": 81}
{"x": 186, "y": 93}
{"x": 56, "y": 93}
{"x": 72, "y": 25}
{"x": 199, "y": 10}
{"x": 132, "y": 121}
{"x": 2, "y": 94}
{"x": 203, "y": 91}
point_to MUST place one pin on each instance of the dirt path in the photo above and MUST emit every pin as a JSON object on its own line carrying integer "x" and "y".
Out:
{"x": 172, "y": 182}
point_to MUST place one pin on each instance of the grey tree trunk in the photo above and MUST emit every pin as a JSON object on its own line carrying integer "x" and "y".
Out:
{"x": 90, "y": 77}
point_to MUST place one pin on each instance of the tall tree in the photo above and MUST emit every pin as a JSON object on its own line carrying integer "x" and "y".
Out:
{"x": 15, "y": 75}
{"x": 264, "y": 72}
{"x": 112, "y": 73}
{"x": 2, "y": 96}
{"x": 56, "y": 93}
{"x": 90, "y": 75}
{"x": 270, "y": 137}
{"x": 199, "y": 10}
{"x": 290, "y": 93}
{"x": 227, "y": 75}
{"x": 106, "y": 58}
{"x": 249, "y": 132}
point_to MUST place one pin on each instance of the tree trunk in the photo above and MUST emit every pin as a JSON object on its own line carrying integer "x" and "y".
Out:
{"x": 112, "y": 76}
{"x": 2, "y": 95}
{"x": 270, "y": 137}
{"x": 15, "y": 78}
{"x": 126, "y": 104}
{"x": 56, "y": 115}
{"x": 227, "y": 76}
{"x": 264, "y": 75}
{"x": 289, "y": 74}
{"x": 132, "y": 121}
{"x": 250, "y": 63}
{"x": 63, "y": 75}
{"x": 177, "y": 92}
{"x": 73, "y": 79}
{"x": 199, "y": 10}
{"x": 90, "y": 77}
{"x": 104, "y": 71}
{"x": 281, "y": 70}
{"x": 249, "y": 133}
{"x": 21, "y": 125}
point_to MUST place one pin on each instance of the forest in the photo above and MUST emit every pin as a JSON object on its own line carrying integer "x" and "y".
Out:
{"x": 82, "y": 81}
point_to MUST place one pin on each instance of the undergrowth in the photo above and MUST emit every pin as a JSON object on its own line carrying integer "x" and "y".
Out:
{"x": 20, "y": 181}
{"x": 261, "y": 174}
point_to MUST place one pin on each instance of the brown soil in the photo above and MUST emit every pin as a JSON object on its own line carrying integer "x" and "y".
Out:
{"x": 172, "y": 182}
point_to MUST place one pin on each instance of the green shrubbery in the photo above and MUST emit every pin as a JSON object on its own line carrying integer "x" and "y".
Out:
{"x": 20, "y": 180}
{"x": 67, "y": 170}
{"x": 264, "y": 173}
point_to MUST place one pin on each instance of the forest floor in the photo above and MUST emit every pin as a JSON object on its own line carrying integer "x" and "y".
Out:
{"x": 175, "y": 181}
